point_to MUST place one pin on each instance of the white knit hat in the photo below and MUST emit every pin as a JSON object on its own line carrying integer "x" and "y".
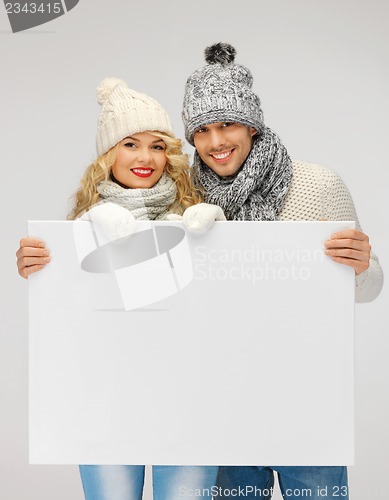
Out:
{"x": 125, "y": 112}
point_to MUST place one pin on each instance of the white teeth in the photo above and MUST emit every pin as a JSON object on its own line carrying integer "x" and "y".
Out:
{"x": 221, "y": 156}
{"x": 142, "y": 171}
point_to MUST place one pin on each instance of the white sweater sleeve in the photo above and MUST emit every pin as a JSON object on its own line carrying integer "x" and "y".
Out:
{"x": 338, "y": 205}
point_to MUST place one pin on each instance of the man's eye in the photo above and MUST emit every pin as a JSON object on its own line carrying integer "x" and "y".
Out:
{"x": 199, "y": 131}
{"x": 227, "y": 124}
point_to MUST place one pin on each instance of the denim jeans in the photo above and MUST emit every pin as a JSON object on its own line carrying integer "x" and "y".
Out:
{"x": 125, "y": 482}
{"x": 296, "y": 483}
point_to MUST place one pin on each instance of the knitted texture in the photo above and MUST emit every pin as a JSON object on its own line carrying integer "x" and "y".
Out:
{"x": 258, "y": 190}
{"x": 144, "y": 204}
{"x": 319, "y": 193}
{"x": 113, "y": 220}
{"x": 125, "y": 112}
{"x": 220, "y": 92}
{"x": 200, "y": 218}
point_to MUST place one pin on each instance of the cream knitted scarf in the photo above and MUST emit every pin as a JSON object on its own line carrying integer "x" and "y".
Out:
{"x": 144, "y": 204}
{"x": 258, "y": 190}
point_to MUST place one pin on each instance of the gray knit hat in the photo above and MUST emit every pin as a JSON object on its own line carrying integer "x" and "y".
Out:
{"x": 220, "y": 92}
{"x": 124, "y": 112}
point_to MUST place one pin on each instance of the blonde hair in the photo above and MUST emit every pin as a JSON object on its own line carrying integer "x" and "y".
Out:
{"x": 177, "y": 167}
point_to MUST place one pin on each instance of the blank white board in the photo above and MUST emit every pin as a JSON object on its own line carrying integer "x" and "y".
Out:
{"x": 234, "y": 347}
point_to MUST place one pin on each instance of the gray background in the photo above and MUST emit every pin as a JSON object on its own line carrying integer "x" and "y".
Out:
{"x": 320, "y": 68}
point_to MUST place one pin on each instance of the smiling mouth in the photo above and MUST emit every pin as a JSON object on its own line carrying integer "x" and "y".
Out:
{"x": 223, "y": 157}
{"x": 142, "y": 172}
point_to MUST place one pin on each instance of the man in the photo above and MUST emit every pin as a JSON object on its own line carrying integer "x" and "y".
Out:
{"x": 243, "y": 167}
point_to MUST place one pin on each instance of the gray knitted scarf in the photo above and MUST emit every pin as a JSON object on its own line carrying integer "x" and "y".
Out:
{"x": 145, "y": 204}
{"x": 258, "y": 190}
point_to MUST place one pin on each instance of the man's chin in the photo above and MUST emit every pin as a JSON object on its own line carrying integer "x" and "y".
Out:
{"x": 227, "y": 170}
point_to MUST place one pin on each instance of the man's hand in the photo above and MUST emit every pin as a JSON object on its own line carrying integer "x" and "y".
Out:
{"x": 350, "y": 247}
{"x": 32, "y": 256}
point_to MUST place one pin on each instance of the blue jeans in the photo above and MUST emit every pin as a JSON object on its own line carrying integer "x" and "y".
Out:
{"x": 125, "y": 482}
{"x": 296, "y": 483}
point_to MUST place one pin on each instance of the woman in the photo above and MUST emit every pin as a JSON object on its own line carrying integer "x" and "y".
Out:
{"x": 140, "y": 174}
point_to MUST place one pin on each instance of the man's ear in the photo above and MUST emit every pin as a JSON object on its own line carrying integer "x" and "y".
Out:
{"x": 253, "y": 131}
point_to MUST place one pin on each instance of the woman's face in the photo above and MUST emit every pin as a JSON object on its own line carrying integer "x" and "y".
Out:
{"x": 140, "y": 161}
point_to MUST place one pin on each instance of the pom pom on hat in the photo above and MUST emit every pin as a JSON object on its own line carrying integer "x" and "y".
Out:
{"x": 106, "y": 87}
{"x": 220, "y": 53}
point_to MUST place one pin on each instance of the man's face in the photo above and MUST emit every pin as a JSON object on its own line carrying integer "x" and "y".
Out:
{"x": 224, "y": 146}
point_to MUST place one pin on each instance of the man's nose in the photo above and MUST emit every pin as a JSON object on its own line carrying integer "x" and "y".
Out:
{"x": 216, "y": 138}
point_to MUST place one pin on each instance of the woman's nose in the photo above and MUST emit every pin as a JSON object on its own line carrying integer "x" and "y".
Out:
{"x": 144, "y": 155}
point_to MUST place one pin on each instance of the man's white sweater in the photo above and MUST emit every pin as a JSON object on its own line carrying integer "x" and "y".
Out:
{"x": 318, "y": 193}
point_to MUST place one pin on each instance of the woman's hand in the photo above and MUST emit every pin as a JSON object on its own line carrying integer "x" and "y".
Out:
{"x": 201, "y": 217}
{"x": 115, "y": 221}
{"x": 32, "y": 256}
{"x": 350, "y": 247}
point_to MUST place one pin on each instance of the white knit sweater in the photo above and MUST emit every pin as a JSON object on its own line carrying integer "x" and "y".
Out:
{"x": 319, "y": 193}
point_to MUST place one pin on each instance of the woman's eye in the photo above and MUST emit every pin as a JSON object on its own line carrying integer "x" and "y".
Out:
{"x": 159, "y": 148}
{"x": 129, "y": 144}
